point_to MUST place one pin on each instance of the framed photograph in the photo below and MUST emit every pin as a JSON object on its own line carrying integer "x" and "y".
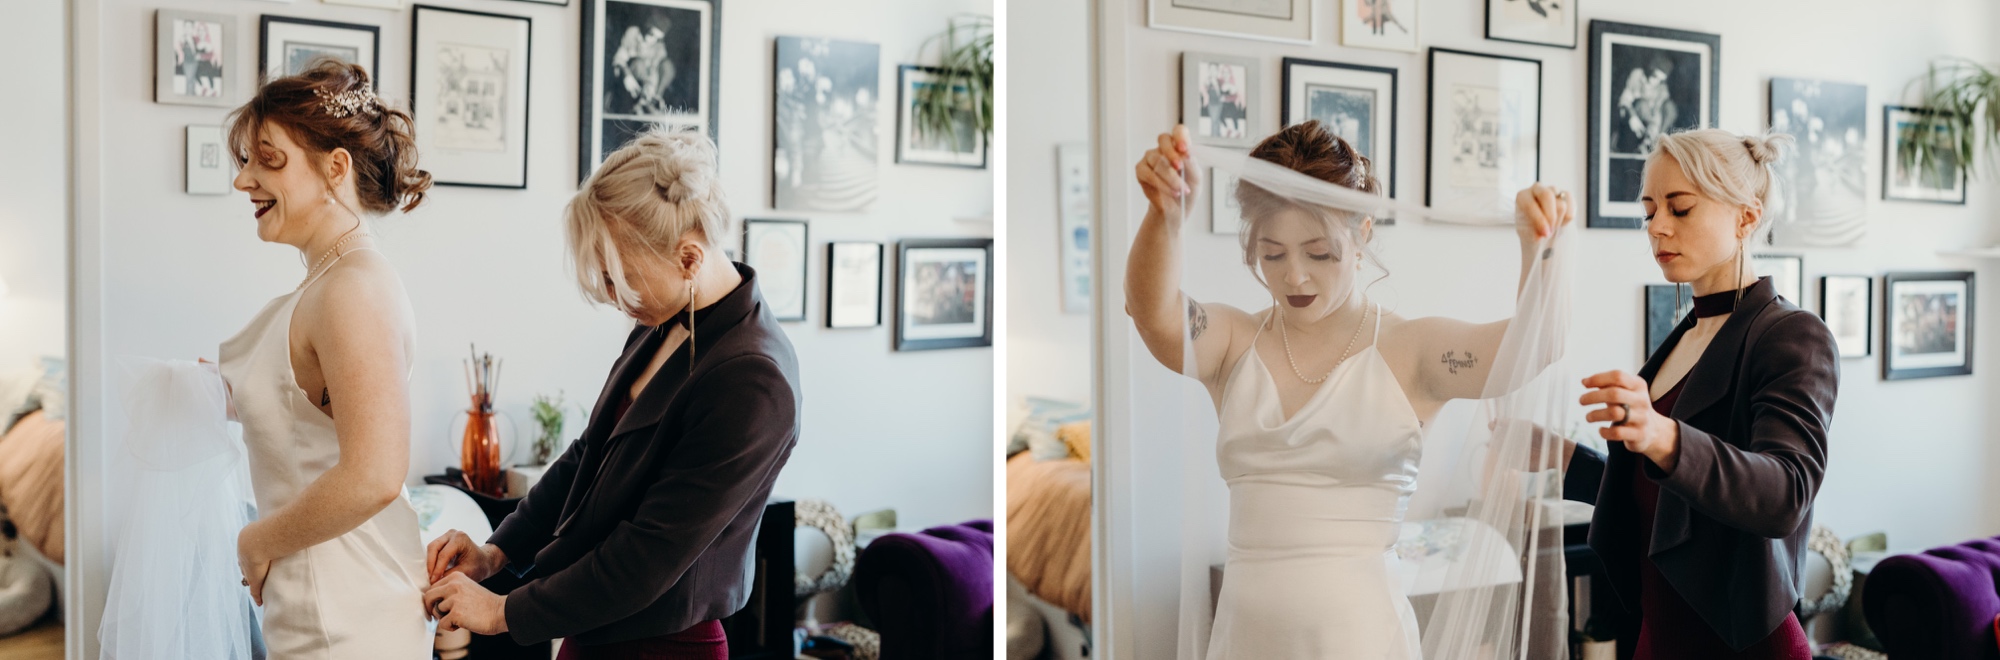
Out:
{"x": 853, "y": 285}
{"x": 1288, "y": 21}
{"x": 1354, "y": 101}
{"x": 1484, "y": 131}
{"x": 1380, "y": 24}
{"x": 286, "y": 45}
{"x": 647, "y": 63}
{"x": 964, "y": 146}
{"x": 1787, "y": 273}
{"x": 1645, "y": 82}
{"x": 1943, "y": 182}
{"x": 1218, "y": 95}
{"x": 1225, "y": 214}
{"x": 1073, "y": 196}
{"x": 469, "y": 96}
{"x": 776, "y": 249}
{"x": 192, "y": 61}
{"x": 1926, "y": 325}
{"x": 1539, "y": 22}
{"x": 823, "y": 147}
{"x": 1819, "y": 193}
{"x": 208, "y": 170}
{"x": 944, "y": 293}
{"x": 1847, "y": 303}
{"x": 1666, "y": 304}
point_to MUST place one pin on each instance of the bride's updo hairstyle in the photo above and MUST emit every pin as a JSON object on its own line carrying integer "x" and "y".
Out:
{"x": 1726, "y": 167}
{"x": 1309, "y": 149}
{"x": 647, "y": 196}
{"x": 331, "y": 105}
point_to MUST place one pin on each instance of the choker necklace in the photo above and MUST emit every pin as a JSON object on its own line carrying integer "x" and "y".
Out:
{"x": 1287, "y": 339}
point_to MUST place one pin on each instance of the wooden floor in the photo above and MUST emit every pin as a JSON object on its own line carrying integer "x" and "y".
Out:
{"x": 42, "y": 641}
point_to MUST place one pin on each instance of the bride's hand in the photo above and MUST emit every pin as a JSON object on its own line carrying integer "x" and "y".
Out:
{"x": 254, "y": 566}
{"x": 1167, "y": 174}
{"x": 1540, "y": 209}
{"x": 454, "y": 552}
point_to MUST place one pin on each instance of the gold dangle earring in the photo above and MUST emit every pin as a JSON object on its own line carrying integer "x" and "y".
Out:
{"x": 690, "y": 308}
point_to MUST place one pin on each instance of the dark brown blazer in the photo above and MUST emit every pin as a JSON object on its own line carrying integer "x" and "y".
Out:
{"x": 1730, "y": 530}
{"x": 645, "y": 526}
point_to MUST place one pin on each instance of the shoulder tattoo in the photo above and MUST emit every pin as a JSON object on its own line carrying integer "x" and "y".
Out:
{"x": 1197, "y": 319}
{"x": 1452, "y": 361}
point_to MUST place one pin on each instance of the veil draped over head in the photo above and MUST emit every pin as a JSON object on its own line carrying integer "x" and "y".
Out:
{"x": 1479, "y": 550}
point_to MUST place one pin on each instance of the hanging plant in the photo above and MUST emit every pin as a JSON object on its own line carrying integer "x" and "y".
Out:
{"x": 1964, "y": 98}
{"x": 965, "y": 78}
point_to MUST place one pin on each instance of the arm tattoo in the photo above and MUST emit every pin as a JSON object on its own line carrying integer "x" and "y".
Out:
{"x": 325, "y": 398}
{"x": 1197, "y": 319}
{"x": 1453, "y": 362}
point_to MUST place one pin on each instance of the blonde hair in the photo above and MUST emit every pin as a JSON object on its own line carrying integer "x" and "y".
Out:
{"x": 1731, "y": 168}
{"x": 648, "y": 194}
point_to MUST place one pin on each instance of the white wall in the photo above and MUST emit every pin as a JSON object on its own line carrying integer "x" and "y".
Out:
{"x": 1048, "y": 350}
{"x": 881, "y": 428}
{"x": 33, "y": 161}
{"x": 1912, "y": 458}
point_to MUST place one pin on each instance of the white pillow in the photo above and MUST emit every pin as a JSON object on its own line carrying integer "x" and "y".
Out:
{"x": 16, "y": 386}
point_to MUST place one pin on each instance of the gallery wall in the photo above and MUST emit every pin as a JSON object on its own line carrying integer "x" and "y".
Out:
{"x": 1912, "y": 458}
{"x": 1048, "y": 104}
{"x": 33, "y": 208}
{"x": 881, "y": 429}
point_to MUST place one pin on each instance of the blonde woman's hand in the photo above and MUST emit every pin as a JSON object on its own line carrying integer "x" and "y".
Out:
{"x": 454, "y": 552}
{"x": 1168, "y": 175}
{"x": 1628, "y": 406}
{"x": 1541, "y": 209}
{"x": 459, "y": 602}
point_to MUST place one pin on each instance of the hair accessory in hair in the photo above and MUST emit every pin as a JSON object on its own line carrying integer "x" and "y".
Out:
{"x": 348, "y": 102}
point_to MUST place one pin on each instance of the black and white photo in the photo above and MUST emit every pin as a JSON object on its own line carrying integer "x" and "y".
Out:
{"x": 289, "y": 45}
{"x": 208, "y": 168}
{"x": 1787, "y": 273}
{"x": 1218, "y": 99}
{"x": 469, "y": 96}
{"x": 823, "y": 156}
{"x": 853, "y": 284}
{"x": 777, "y": 250}
{"x": 1356, "y": 102}
{"x": 1941, "y": 180}
{"x": 1666, "y": 304}
{"x": 1847, "y": 303}
{"x": 1821, "y": 188}
{"x": 1286, "y": 21}
{"x": 1926, "y": 325}
{"x": 192, "y": 63}
{"x": 646, "y": 64}
{"x": 1379, "y": 24}
{"x": 1484, "y": 126}
{"x": 1645, "y": 82}
{"x": 1540, "y": 22}
{"x": 962, "y": 146}
{"x": 944, "y": 293}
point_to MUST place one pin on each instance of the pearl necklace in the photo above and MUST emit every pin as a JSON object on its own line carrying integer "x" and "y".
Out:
{"x": 1287, "y": 339}
{"x": 314, "y": 271}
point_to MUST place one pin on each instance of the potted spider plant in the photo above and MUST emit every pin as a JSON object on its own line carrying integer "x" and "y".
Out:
{"x": 1962, "y": 98}
{"x": 965, "y": 79}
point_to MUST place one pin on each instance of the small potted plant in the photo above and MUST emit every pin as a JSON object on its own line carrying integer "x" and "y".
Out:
{"x": 548, "y": 413}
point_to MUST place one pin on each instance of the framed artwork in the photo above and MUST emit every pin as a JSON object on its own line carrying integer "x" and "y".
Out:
{"x": 1943, "y": 182}
{"x": 1847, "y": 304}
{"x": 285, "y": 45}
{"x": 375, "y": 4}
{"x": 853, "y": 285}
{"x": 1539, "y": 22}
{"x": 964, "y": 146}
{"x": 558, "y": 3}
{"x": 1484, "y": 131}
{"x": 1225, "y": 214}
{"x": 1645, "y": 82}
{"x": 647, "y": 63}
{"x": 823, "y": 147}
{"x": 1819, "y": 193}
{"x": 777, "y": 250}
{"x": 1380, "y": 24}
{"x": 192, "y": 62}
{"x": 208, "y": 170}
{"x": 1787, "y": 273}
{"x": 1288, "y": 21}
{"x": 1218, "y": 95}
{"x": 1926, "y": 325}
{"x": 469, "y": 96}
{"x": 1354, "y": 101}
{"x": 944, "y": 293}
{"x": 1073, "y": 196}
{"x": 1666, "y": 304}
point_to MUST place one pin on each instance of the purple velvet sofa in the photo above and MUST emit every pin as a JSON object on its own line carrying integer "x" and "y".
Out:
{"x": 1938, "y": 604}
{"x": 930, "y": 594}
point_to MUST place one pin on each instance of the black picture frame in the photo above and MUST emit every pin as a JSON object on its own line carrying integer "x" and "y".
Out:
{"x": 1661, "y": 308}
{"x": 833, "y": 281}
{"x": 443, "y": 177}
{"x": 1893, "y": 367}
{"x": 590, "y": 115}
{"x": 264, "y": 43}
{"x": 751, "y": 257}
{"x": 1285, "y": 68}
{"x": 904, "y": 156}
{"x": 1575, "y": 24}
{"x": 903, "y": 340}
{"x": 565, "y": 3}
{"x": 1430, "y": 114}
{"x": 1866, "y": 342}
{"x": 1596, "y": 213}
{"x": 1889, "y": 148}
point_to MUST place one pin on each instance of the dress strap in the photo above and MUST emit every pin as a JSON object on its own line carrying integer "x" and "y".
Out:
{"x": 1378, "y": 323}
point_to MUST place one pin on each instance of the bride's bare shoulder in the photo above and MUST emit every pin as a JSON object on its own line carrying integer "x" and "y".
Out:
{"x": 362, "y": 288}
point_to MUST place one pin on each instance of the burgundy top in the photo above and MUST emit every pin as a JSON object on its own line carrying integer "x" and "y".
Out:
{"x": 1670, "y": 628}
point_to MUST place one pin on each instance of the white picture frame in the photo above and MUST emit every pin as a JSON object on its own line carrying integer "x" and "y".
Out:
{"x": 1899, "y": 123}
{"x": 1483, "y": 132}
{"x": 778, "y": 250}
{"x": 854, "y": 284}
{"x": 1073, "y": 213}
{"x": 195, "y": 60}
{"x": 393, "y": 5}
{"x": 965, "y": 148}
{"x": 471, "y": 135}
{"x": 1221, "y": 99}
{"x": 286, "y": 43}
{"x": 1379, "y": 24}
{"x": 1225, "y": 214}
{"x": 1538, "y": 22}
{"x": 1282, "y": 21}
{"x": 208, "y": 170}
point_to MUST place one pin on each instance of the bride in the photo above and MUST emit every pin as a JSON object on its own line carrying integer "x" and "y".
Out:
{"x": 319, "y": 378}
{"x": 1323, "y": 398}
